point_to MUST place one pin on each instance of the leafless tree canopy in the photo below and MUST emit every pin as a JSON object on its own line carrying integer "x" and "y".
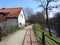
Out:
{"x": 46, "y": 7}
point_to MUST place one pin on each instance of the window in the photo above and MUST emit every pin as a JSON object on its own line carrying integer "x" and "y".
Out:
{"x": 21, "y": 15}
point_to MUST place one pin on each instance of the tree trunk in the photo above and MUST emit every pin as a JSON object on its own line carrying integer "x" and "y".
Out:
{"x": 43, "y": 22}
{"x": 43, "y": 38}
{"x": 47, "y": 18}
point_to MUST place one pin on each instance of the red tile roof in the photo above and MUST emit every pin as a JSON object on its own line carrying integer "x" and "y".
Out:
{"x": 11, "y": 12}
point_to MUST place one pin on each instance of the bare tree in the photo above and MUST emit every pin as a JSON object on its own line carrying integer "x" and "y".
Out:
{"x": 57, "y": 23}
{"x": 40, "y": 18}
{"x": 46, "y": 7}
{"x": 36, "y": 17}
{"x": 28, "y": 11}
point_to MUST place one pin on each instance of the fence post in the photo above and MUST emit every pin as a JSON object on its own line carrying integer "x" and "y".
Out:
{"x": 0, "y": 34}
{"x": 43, "y": 38}
{"x": 35, "y": 31}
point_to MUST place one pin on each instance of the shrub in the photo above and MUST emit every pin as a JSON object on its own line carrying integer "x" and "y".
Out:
{"x": 27, "y": 24}
{"x": 9, "y": 31}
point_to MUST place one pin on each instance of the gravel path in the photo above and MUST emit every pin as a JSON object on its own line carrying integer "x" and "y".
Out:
{"x": 21, "y": 37}
{"x": 15, "y": 39}
{"x": 29, "y": 37}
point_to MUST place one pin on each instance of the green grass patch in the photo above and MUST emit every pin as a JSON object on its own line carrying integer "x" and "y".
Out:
{"x": 48, "y": 40}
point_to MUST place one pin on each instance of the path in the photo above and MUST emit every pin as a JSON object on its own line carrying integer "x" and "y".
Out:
{"x": 29, "y": 37}
{"x": 18, "y": 38}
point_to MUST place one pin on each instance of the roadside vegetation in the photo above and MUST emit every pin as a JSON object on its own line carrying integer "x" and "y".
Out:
{"x": 7, "y": 32}
{"x": 27, "y": 24}
{"x": 48, "y": 39}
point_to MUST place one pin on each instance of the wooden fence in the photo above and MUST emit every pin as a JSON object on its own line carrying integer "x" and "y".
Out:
{"x": 41, "y": 39}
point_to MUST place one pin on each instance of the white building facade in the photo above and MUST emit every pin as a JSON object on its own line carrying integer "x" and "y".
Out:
{"x": 14, "y": 16}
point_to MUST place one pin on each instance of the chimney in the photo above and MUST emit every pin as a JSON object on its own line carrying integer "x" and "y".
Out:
{"x": 3, "y": 8}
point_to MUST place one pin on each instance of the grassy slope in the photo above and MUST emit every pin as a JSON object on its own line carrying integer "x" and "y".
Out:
{"x": 39, "y": 35}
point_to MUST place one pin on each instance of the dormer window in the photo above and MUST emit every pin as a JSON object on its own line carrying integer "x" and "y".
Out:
{"x": 2, "y": 13}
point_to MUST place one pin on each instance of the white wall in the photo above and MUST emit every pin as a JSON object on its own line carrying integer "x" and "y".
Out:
{"x": 21, "y": 19}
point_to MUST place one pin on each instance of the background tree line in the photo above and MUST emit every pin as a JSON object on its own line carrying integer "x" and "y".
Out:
{"x": 39, "y": 18}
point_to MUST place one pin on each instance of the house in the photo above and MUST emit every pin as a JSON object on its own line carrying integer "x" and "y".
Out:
{"x": 13, "y": 15}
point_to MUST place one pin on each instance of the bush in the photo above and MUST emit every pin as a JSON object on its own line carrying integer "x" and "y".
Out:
{"x": 27, "y": 24}
{"x": 37, "y": 27}
{"x": 9, "y": 31}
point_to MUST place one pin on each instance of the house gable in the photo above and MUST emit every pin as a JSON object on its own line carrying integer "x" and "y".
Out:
{"x": 21, "y": 18}
{"x": 11, "y": 12}
{"x": 14, "y": 16}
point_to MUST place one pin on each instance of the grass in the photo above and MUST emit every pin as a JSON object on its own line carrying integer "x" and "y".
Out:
{"x": 38, "y": 34}
{"x": 50, "y": 42}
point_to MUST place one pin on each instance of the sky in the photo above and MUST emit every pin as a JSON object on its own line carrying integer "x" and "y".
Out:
{"x": 18, "y": 3}
{"x": 25, "y": 3}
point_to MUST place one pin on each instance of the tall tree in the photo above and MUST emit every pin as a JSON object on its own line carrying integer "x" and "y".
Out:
{"x": 46, "y": 7}
{"x": 57, "y": 23}
{"x": 40, "y": 18}
{"x": 36, "y": 18}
